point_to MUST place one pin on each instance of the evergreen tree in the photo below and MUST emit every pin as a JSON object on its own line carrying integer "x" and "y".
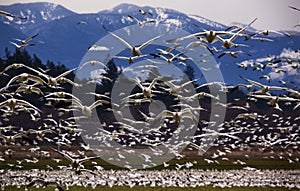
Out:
{"x": 189, "y": 72}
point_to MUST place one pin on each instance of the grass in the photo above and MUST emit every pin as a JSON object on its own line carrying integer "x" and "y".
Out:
{"x": 141, "y": 188}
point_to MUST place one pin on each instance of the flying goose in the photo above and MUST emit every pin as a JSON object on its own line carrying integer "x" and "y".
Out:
{"x": 168, "y": 60}
{"x": 264, "y": 89}
{"x": 11, "y": 139}
{"x": 25, "y": 77}
{"x": 130, "y": 59}
{"x": 13, "y": 102}
{"x": 136, "y": 51}
{"x": 141, "y": 23}
{"x": 144, "y": 12}
{"x": 147, "y": 92}
{"x": 295, "y": 8}
{"x": 228, "y": 43}
{"x": 210, "y": 36}
{"x": 76, "y": 163}
{"x": 6, "y": 14}
{"x": 22, "y": 45}
{"x": 273, "y": 100}
{"x": 87, "y": 110}
{"x": 232, "y": 53}
{"x": 25, "y": 41}
{"x": 92, "y": 63}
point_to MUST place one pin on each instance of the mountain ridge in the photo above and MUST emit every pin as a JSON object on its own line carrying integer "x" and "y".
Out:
{"x": 62, "y": 40}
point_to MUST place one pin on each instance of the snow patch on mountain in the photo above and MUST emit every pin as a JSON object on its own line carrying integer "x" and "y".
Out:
{"x": 207, "y": 22}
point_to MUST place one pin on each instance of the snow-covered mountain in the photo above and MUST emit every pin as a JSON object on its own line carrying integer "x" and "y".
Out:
{"x": 36, "y": 14}
{"x": 62, "y": 40}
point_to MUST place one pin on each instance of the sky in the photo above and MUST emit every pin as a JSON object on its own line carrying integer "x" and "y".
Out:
{"x": 271, "y": 14}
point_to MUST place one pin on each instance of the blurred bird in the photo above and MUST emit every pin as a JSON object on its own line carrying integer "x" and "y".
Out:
{"x": 6, "y": 14}
{"x": 136, "y": 51}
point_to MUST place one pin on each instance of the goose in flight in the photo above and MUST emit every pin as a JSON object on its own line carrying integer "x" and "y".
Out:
{"x": 136, "y": 51}
{"x": 24, "y": 77}
{"x": 209, "y": 36}
{"x": 168, "y": 51}
{"x": 145, "y": 12}
{"x": 76, "y": 163}
{"x": 17, "y": 66}
{"x": 81, "y": 23}
{"x": 175, "y": 89}
{"x": 139, "y": 22}
{"x": 93, "y": 63}
{"x": 146, "y": 91}
{"x": 273, "y": 100}
{"x": 232, "y": 53}
{"x": 22, "y": 45}
{"x": 54, "y": 82}
{"x": 6, "y": 14}
{"x": 168, "y": 60}
{"x": 130, "y": 59}
{"x": 11, "y": 139}
{"x": 28, "y": 89}
{"x": 40, "y": 133}
{"x": 228, "y": 43}
{"x": 25, "y": 41}
{"x": 200, "y": 95}
{"x": 13, "y": 102}
{"x": 87, "y": 110}
{"x": 295, "y": 8}
{"x": 178, "y": 116}
{"x": 264, "y": 89}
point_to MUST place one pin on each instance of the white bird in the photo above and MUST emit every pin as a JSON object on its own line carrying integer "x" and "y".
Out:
{"x": 168, "y": 60}
{"x": 210, "y": 36}
{"x": 147, "y": 92}
{"x": 136, "y": 51}
{"x": 167, "y": 52}
{"x": 264, "y": 89}
{"x": 92, "y": 63}
{"x": 87, "y": 110}
{"x": 141, "y": 23}
{"x": 81, "y": 23}
{"x": 265, "y": 77}
{"x": 144, "y": 12}
{"x": 40, "y": 133}
{"x": 76, "y": 163}
{"x": 25, "y": 77}
{"x": 232, "y": 53}
{"x": 228, "y": 43}
{"x": 175, "y": 89}
{"x": 273, "y": 100}
{"x": 54, "y": 82}
{"x": 25, "y": 41}
{"x": 13, "y": 102}
{"x": 6, "y": 14}
{"x": 178, "y": 116}
{"x": 22, "y": 45}
{"x": 130, "y": 59}
{"x": 11, "y": 139}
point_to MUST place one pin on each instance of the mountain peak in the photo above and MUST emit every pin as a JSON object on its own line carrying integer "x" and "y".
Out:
{"x": 36, "y": 13}
{"x": 122, "y": 8}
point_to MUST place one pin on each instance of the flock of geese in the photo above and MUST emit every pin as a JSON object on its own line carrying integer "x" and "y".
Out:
{"x": 249, "y": 177}
{"x": 275, "y": 134}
